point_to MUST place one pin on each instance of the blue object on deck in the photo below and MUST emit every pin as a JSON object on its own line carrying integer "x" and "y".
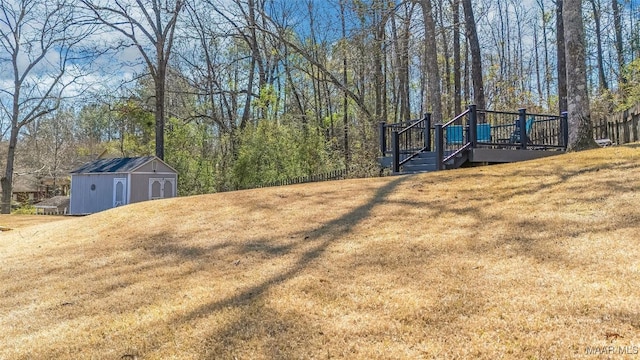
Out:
{"x": 484, "y": 132}
{"x": 515, "y": 136}
{"x": 455, "y": 134}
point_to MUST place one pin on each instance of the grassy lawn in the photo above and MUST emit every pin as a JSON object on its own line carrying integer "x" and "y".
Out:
{"x": 11, "y": 222}
{"x": 534, "y": 260}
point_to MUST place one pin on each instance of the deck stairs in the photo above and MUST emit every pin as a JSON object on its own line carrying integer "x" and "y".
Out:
{"x": 471, "y": 138}
{"x": 425, "y": 161}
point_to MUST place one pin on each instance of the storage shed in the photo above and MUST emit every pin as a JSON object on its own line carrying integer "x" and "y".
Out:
{"x": 107, "y": 183}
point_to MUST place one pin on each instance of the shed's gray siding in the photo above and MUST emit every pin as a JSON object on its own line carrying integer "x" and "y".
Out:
{"x": 87, "y": 201}
{"x": 160, "y": 167}
{"x": 140, "y": 185}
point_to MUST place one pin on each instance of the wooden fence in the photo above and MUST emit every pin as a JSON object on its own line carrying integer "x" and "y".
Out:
{"x": 620, "y": 128}
{"x": 331, "y": 175}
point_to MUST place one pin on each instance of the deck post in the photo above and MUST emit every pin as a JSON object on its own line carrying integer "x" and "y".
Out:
{"x": 522, "y": 119}
{"x": 427, "y": 132}
{"x": 383, "y": 138}
{"x": 564, "y": 128}
{"x": 439, "y": 138}
{"x": 395, "y": 144}
{"x": 473, "y": 128}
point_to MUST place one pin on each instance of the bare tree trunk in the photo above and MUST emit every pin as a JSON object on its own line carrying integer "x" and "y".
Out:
{"x": 547, "y": 67}
{"x": 395, "y": 64}
{"x": 562, "y": 61}
{"x": 521, "y": 78}
{"x": 476, "y": 61}
{"x": 596, "y": 17}
{"x": 502, "y": 42}
{"x": 160, "y": 83}
{"x": 580, "y": 125}
{"x": 385, "y": 80}
{"x": 537, "y": 63}
{"x": 467, "y": 72}
{"x": 7, "y": 180}
{"x": 315, "y": 79}
{"x": 327, "y": 92}
{"x": 457, "y": 90}
{"x": 401, "y": 40}
{"x": 506, "y": 37}
{"x": 431, "y": 59}
{"x": 378, "y": 77}
{"x": 255, "y": 62}
{"x": 619, "y": 50}
{"x": 447, "y": 66}
{"x": 246, "y": 112}
{"x": 301, "y": 108}
{"x": 345, "y": 79}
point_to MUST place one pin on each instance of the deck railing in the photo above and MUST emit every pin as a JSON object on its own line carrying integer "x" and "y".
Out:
{"x": 474, "y": 128}
{"x": 403, "y": 141}
{"x": 524, "y": 130}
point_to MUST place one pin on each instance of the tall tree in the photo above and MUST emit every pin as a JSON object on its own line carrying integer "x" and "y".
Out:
{"x": 617, "y": 25}
{"x": 345, "y": 80}
{"x": 150, "y": 26}
{"x": 401, "y": 35}
{"x": 545, "y": 42}
{"x": 602, "y": 80}
{"x": 457, "y": 65}
{"x": 431, "y": 60}
{"x": 562, "y": 60}
{"x": 537, "y": 63}
{"x": 476, "y": 60}
{"x": 439, "y": 17}
{"x": 41, "y": 58}
{"x": 580, "y": 125}
{"x": 379, "y": 81}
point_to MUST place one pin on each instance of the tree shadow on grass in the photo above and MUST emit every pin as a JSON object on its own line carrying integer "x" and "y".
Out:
{"x": 325, "y": 236}
{"x": 317, "y": 241}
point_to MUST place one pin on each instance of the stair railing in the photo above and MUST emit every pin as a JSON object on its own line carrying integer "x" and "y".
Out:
{"x": 410, "y": 141}
{"x": 455, "y": 136}
{"x": 386, "y": 132}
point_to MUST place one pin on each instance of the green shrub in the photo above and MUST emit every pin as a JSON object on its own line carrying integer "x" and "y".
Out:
{"x": 26, "y": 209}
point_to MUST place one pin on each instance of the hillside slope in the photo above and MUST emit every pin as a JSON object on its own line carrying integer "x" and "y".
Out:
{"x": 530, "y": 260}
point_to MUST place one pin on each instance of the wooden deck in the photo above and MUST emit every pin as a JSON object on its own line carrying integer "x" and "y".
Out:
{"x": 474, "y": 136}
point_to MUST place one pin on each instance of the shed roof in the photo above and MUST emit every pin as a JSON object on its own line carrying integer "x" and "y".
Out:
{"x": 115, "y": 165}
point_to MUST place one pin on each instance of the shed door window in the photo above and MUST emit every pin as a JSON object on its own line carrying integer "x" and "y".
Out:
{"x": 119, "y": 192}
{"x": 160, "y": 188}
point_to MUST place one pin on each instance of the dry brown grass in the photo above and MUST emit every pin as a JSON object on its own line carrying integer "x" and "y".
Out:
{"x": 535, "y": 260}
{"x": 10, "y": 222}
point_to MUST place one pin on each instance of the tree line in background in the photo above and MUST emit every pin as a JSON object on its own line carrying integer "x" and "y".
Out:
{"x": 238, "y": 93}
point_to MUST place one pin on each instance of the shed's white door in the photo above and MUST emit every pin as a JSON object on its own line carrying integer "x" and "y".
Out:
{"x": 160, "y": 188}
{"x": 119, "y": 192}
{"x": 169, "y": 188}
